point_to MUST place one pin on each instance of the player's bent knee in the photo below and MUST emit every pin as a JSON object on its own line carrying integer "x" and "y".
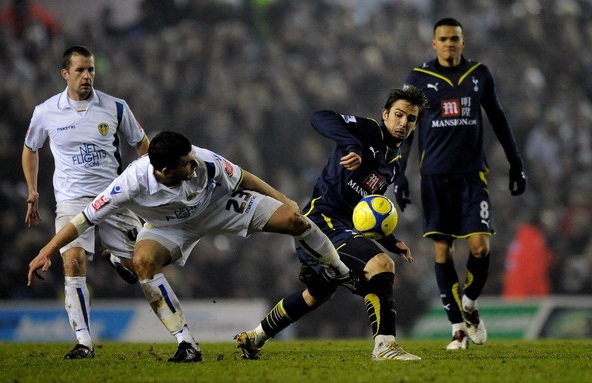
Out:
{"x": 287, "y": 220}
{"x": 300, "y": 223}
{"x": 296, "y": 223}
{"x": 74, "y": 261}
{"x": 380, "y": 263}
{"x": 149, "y": 258}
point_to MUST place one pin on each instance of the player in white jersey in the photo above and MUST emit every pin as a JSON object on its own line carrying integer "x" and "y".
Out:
{"x": 184, "y": 192}
{"x": 84, "y": 127}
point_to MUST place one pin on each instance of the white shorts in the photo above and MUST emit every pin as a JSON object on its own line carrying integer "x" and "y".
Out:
{"x": 218, "y": 218}
{"x": 116, "y": 232}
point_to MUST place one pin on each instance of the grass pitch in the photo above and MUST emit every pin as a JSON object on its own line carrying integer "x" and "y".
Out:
{"x": 326, "y": 361}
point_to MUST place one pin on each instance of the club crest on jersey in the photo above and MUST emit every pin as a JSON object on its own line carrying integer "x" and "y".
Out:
{"x": 103, "y": 128}
{"x": 100, "y": 202}
{"x": 475, "y": 83}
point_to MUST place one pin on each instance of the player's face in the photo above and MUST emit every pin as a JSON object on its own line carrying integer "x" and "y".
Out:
{"x": 185, "y": 169}
{"x": 400, "y": 120}
{"x": 449, "y": 43}
{"x": 80, "y": 77}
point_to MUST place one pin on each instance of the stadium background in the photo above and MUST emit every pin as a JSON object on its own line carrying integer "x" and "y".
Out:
{"x": 243, "y": 77}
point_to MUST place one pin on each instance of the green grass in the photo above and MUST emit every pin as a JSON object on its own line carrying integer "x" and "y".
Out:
{"x": 304, "y": 361}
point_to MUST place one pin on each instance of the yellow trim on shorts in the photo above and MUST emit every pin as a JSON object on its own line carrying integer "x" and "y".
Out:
{"x": 427, "y": 234}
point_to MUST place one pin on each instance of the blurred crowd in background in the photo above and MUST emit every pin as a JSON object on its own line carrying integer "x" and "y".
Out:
{"x": 242, "y": 78}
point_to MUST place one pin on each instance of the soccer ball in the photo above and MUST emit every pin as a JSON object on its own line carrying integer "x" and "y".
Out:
{"x": 375, "y": 216}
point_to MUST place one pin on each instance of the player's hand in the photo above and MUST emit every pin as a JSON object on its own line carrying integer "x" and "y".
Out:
{"x": 402, "y": 191}
{"x": 403, "y": 251}
{"x": 351, "y": 161}
{"x": 40, "y": 262}
{"x": 33, "y": 218}
{"x": 517, "y": 178}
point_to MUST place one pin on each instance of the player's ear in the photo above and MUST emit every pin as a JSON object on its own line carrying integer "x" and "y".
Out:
{"x": 161, "y": 173}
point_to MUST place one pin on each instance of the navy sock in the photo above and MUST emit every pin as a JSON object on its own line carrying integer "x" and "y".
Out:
{"x": 380, "y": 304}
{"x": 285, "y": 312}
{"x": 477, "y": 273}
{"x": 447, "y": 280}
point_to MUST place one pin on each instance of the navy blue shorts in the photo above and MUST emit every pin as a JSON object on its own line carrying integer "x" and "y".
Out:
{"x": 354, "y": 249}
{"x": 455, "y": 205}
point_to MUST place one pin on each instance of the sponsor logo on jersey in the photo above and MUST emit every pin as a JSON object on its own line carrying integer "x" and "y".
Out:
{"x": 357, "y": 188}
{"x": 90, "y": 156}
{"x": 372, "y": 182}
{"x": 64, "y": 128}
{"x": 453, "y": 122}
{"x": 116, "y": 190}
{"x": 103, "y": 128}
{"x": 191, "y": 196}
{"x": 450, "y": 108}
{"x": 100, "y": 202}
{"x": 182, "y": 213}
{"x": 228, "y": 168}
{"x": 371, "y": 185}
{"x": 433, "y": 86}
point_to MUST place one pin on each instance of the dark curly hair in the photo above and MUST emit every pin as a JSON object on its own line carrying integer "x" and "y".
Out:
{"x": 166, "y": 148}
{"x": 409, "y": 93}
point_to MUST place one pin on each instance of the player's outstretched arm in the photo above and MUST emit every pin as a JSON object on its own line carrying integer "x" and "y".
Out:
{"x": 252, "y": 182}
{"x": 42, "y": 261}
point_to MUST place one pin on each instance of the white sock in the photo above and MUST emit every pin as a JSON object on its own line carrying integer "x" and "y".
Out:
{"x": 383, "y": 340}
{"x": 459, "y": 327}
{"x": 184, "y": 335}
{"x": 468, "y": 305}
{"x": 318, "y": 245}
{"x": 260, "y": 336}
{"x": 165, "y": 304}
{"x": 77, "y": 302}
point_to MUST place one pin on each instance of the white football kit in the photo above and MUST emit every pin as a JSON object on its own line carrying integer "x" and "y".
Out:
{"x": 209, "y": 202}
{"x": 85, "y": 145}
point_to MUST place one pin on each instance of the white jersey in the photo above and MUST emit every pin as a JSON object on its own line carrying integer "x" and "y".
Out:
{"x": 85, "y": 145}
{"x": 159, "y": 205}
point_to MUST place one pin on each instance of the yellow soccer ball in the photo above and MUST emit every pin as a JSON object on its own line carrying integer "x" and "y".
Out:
{"x": 375, "y": 216}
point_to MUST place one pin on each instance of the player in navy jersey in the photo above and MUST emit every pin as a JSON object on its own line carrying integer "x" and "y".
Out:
{"x": 363, "y": 162}
{"x": 453, "y": 167}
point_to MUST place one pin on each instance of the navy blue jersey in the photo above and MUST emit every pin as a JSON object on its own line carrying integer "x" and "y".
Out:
{"x": 338, "y": 190}
{"x": 450, "y": 133}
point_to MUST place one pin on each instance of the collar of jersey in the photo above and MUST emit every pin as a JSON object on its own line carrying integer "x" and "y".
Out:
{"x": 64, "y": 104}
